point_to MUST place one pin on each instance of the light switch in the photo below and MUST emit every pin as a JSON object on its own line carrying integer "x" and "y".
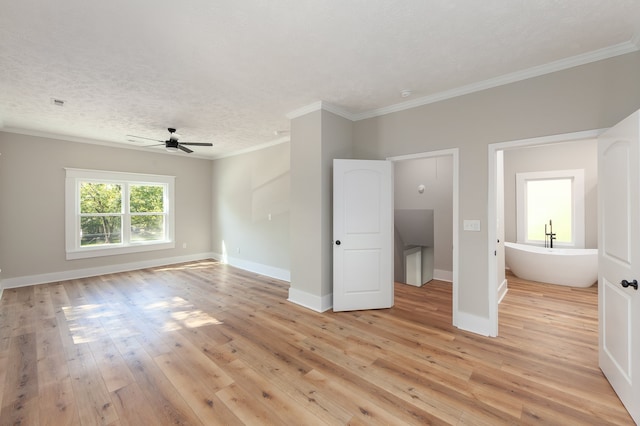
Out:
{"x": 471, "y": 225}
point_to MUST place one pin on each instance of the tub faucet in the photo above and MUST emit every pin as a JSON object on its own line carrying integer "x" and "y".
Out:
{"x": 550, "y": 234}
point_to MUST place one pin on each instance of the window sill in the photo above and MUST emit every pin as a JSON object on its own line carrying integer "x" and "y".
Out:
{"x": 86, "y": 252}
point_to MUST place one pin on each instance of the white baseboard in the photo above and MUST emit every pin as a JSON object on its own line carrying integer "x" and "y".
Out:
{"x": 258, "y": 268}
{"x": 502, "y": 290}
{"x": 442, "y": 275}
{"x": 72, "y": 274}
{"x": 310, "y": 301}
{"x": 475, "y": 324}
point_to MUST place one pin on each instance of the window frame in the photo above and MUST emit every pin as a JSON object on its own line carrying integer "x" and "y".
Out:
{"x": 577, "y": 205}
{"x": 73, "y": 247}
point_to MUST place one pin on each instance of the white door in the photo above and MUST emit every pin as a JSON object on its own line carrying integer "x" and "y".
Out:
{"x": 362, "y": 235}
{"x": 619, "y": 260}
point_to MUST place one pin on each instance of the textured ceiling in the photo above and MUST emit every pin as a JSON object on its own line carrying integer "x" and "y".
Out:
{"x": 229, "y": 71}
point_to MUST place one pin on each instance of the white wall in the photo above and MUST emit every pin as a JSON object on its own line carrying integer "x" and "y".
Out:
{"x": 32, "y": 183}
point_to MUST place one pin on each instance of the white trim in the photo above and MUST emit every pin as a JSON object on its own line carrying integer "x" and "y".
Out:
{"x": 475, "y": 324}
{"x": 310, "y": 301}
{"x": 334, "y": 109}
{"x": 576, "y": 177}
{"x": 442, "y": 275}
{"x": 455, "y": 153}
{"x": 108, "y": 175}
{"x": 73, "y": 274}
{"x": 258, "y": 268}
{"x": 503, "y": 288}
{"x": 121, "y": 145}
{"x": 253, "y": 148}
{"x": 492, "y": 274}
{"x": 320, "y": 105}
{"x": 266, "y": 270}
{"x": 73, "y": 178}
{"x": 562, "y": 64}
{"x": 307, "y": 109}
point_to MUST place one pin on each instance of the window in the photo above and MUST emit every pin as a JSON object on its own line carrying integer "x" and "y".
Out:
{"x": 115, "y": 213}
{"x": 547, "y": 200}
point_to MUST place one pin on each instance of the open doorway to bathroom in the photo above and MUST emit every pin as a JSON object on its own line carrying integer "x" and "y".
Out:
{"x": 509, "y": 160}
{"x": 425, "y": 210}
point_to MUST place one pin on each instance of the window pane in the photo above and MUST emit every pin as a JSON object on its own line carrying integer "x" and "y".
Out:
{"x": 146, "y": 199}
{"x": 100, "y": 198}
{"x": 98, "y": 230}
{"x": 147, "y": 227}
{"x": 547, "y": 200}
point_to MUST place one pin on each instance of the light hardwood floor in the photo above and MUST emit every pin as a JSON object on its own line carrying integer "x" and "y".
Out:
{"x": 204, "y": 343}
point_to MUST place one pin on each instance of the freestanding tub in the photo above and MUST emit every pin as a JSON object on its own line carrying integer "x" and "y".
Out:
{"x": 570, "y": 267}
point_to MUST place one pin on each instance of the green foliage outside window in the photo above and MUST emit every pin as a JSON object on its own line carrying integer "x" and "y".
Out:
{"x": 102, "y": 203}
{"x": 102, "y": 213}
{"x": 146, "y": 199}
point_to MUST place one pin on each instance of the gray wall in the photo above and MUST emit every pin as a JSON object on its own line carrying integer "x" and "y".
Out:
{"x": 306, "y": 204}
{"x": 337, "y": 137}
{"x": 436, "y": 174}
{"x": 569, "y": 155}
{"x": 32, "y": 183}
{"x": 247, "y": 189}
{"x": 316, "y": 139}
{"x": 591, "y": 96}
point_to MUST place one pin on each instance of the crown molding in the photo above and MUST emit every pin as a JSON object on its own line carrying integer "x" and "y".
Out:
{"x": 320, "y": 105}
{"x": 630, "y": 46}
{"x": 283, "y": 139}
{"x": 585, "y": 58}
{"x": 334, "y": 109}
{"x": 304, "y": 110}
{"x": 78, "y": 139}
{"x": 51, "y": 135}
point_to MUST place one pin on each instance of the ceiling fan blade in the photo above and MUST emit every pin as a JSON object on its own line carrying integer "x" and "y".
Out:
{"x": 197, "y": 143}
{"x": 142, "y": 137}
{"x": 185, "y": 149}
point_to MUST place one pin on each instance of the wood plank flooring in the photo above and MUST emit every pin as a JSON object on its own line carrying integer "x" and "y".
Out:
{"x": 204, "y": 344}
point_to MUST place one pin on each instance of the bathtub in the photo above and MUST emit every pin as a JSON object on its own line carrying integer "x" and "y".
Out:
{"x": 570, "y": 267}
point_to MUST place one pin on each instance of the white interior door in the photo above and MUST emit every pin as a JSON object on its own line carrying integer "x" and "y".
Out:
{"x": 619, "y": 260}
{"x": 362, "y": 235}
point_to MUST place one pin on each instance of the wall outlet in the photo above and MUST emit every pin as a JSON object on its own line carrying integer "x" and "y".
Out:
{"x": 184, "y": 245}
{"x": 471, "y": 225}
{"x": 269, "y": 216}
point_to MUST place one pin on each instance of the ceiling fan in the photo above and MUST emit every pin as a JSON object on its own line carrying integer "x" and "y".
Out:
{"x": 172, "y": 143}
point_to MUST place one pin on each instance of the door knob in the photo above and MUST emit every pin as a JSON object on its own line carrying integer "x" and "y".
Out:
{"x": 626, "y": 284}
{"x": 338, "y": 242}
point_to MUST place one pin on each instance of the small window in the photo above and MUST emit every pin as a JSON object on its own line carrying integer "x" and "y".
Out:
{"x": 115, "y": 213}
{"x": 551, "y": 202}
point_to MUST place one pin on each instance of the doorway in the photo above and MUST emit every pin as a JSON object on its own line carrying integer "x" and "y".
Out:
{"x": 423, "y": 182}
{"x": 496, "y": 249}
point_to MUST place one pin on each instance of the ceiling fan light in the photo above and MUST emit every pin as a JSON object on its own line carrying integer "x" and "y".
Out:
{"x": 172, "y": 148}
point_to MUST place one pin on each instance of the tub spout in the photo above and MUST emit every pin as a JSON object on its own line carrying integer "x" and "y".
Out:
{"x": 550, "y": 235}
